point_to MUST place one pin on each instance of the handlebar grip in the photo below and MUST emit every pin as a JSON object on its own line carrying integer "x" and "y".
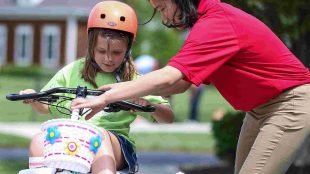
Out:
{"x": 127, "y": 104}
{"x": 16, "y": 97}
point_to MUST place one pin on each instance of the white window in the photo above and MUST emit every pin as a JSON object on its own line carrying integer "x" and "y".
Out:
{"x": 3, "y": 44}
{"x": 50, "y": 46}
{"x": 28, "y": 3}
{"x": 23, "y": 45}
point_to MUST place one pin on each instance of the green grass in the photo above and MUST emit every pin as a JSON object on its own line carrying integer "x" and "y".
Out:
{"x": 11, "y": 141}
{"x": 210, "y": 101}
{"x": 144, "y": 141}
{"x": 174, "y": 142}
{"x": 12, "y": 166}
{"x": 16, "y": 111}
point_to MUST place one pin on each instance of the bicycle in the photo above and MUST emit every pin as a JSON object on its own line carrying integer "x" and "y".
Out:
{"x": 70, "y": 145}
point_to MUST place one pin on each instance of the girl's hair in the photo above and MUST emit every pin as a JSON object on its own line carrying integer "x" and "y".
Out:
{"x": 126, "y": 70}
{"x": 189, "y": 14}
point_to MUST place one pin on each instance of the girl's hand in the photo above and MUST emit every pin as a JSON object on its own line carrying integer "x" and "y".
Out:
{"x": 27, "y": 91}
{"x": 139, "y": 101}
{"x": 96, "y": 104}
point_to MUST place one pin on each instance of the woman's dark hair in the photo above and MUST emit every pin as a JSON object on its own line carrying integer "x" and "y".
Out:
{"x": 189, "y": 14}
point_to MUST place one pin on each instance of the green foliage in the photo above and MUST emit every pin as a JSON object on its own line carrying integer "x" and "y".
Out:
{"x": 226, "y": 132}
{"x": 154, "y": 38}
{"x": 33, "y": 71}
{"x": 283, "y": 17}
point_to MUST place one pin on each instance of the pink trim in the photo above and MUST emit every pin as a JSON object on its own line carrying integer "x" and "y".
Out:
{"x": 36, "y": 163}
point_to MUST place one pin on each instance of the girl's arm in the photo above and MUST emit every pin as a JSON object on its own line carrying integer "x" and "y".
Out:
{"x": 163, "y": 112}
{"x": 36, "y": 106}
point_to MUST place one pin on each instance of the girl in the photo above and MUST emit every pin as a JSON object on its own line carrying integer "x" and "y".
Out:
{"x": 250, "y": 67}
{"x": 112, "y": 28}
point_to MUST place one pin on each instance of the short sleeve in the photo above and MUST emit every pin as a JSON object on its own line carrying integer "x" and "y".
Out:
{"x": 210, "y": 44}
{"x": 58, "y": 80}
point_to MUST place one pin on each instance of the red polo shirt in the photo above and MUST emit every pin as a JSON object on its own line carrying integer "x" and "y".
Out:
{"x": 239, "y": 55}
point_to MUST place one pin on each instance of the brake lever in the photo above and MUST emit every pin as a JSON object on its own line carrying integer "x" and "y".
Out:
{"x": 114, "y": 107}
{"x": 49, "y": 99}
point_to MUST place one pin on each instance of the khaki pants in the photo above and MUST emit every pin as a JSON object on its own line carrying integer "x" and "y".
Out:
{"x": 272, "y": 133}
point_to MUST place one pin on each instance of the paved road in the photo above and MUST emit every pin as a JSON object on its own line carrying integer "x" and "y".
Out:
{"x": 150, "y": 162}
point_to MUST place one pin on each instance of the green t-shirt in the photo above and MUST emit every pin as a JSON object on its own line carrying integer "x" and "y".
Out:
{"x": 119, "y": 122}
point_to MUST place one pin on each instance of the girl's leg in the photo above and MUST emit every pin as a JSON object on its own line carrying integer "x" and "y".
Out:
{"x": 117, "y": 150}
{"x": 109, "y": 156}
{"x": 36, "y": 145}
{"x": 246, "y": 139}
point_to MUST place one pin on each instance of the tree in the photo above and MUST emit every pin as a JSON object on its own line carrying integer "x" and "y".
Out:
{"x": 154, "y": 38}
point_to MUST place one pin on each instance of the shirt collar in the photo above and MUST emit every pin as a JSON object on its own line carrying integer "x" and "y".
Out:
{"x": 205, "y": 5}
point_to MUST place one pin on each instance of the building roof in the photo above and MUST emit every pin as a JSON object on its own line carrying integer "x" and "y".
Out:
{"x": 6, "y": 3}
{"x": 47, "y": 8}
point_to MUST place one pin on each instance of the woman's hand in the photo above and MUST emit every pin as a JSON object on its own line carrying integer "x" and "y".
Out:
{"x": 27, "y": 91}
{"x": 96, "y": 104}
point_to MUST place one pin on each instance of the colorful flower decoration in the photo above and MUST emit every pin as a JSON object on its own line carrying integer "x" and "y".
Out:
{"x": 95, "y": 143}
{"x": 72, "y": 147}
{"x": 52, "y": 134}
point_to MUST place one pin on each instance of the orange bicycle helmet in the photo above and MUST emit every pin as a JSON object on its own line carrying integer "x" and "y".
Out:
{"x": 113, "y": 15}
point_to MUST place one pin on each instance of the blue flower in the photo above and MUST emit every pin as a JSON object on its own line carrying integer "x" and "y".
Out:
{"x": 52, "y": 134}
{"x": 95, "y": 143}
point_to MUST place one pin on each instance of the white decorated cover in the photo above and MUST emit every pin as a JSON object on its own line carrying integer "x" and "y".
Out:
{"x": 70, "y": 144}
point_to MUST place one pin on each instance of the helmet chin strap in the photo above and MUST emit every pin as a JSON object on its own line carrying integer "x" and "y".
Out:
{"x": 95, "y": 65}
{"x": 118, "y": 71}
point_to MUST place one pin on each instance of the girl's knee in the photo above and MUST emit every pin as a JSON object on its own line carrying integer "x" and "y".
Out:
{"x": 104, "y": 159}
{"x": 36, "y": 145}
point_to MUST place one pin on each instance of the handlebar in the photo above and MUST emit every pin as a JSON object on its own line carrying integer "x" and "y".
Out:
{"x": 79, "y": 92}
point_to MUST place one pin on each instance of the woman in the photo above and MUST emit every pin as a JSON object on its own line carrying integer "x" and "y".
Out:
{"x": 112, "y": 28}
{"x": 251, "y": 68}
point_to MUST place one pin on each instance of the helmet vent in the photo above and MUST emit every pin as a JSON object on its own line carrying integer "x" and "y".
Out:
{"x": 102, "y": 16}
{"x": 122, "y": 18}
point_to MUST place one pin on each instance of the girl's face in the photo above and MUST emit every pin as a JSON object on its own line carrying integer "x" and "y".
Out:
{"x": 109, "y": 52}
{"x": 168, "y": 10}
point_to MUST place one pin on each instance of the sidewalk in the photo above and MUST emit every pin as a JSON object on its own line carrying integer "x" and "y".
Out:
{"x": 29, "y": 129}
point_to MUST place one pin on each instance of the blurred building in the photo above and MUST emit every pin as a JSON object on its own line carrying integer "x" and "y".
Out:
{"x": 49, "y": 33}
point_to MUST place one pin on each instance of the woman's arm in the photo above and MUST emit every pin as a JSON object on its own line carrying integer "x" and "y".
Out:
{"x": 156, "y": 82}
{"x": 180, "y": 87}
